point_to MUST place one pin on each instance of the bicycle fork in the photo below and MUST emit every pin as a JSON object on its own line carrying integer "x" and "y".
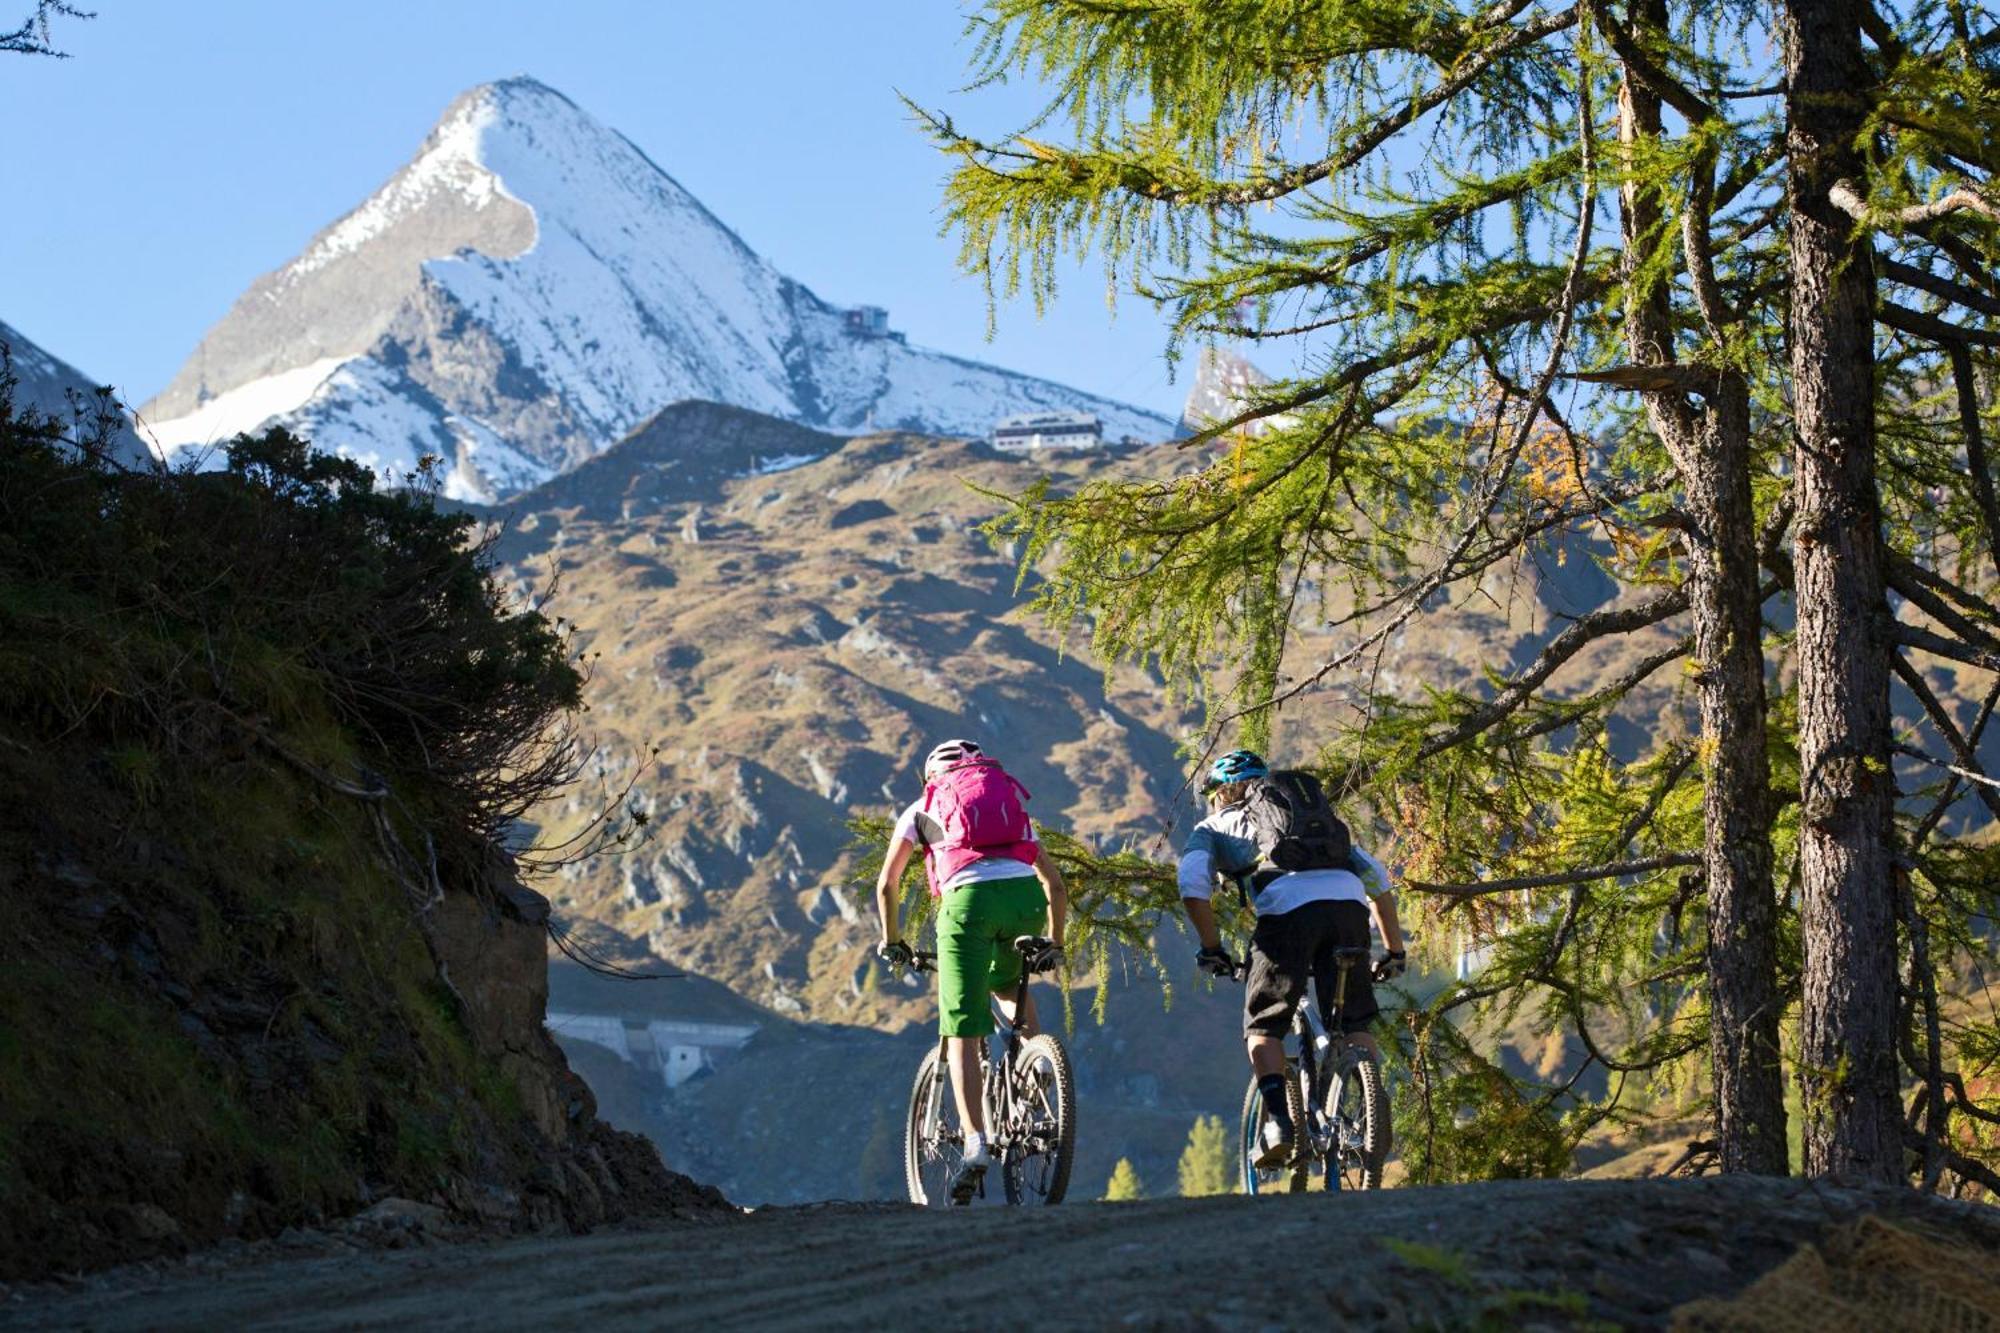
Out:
{"x": 933, "y": 1127}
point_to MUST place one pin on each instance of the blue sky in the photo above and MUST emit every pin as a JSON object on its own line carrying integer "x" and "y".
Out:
{"x": 186, "y": 148}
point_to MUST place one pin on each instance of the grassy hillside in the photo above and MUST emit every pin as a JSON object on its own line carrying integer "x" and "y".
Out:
{"x": 262, "y": 966}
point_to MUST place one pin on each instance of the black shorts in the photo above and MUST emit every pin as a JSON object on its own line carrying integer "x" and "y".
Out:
{"x": 1288, "y": 949}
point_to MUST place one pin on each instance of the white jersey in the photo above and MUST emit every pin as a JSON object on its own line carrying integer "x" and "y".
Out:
{"x": 1225, "y": 844}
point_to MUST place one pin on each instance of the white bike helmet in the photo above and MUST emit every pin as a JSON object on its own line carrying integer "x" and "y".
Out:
{"x": 949, "y": 755}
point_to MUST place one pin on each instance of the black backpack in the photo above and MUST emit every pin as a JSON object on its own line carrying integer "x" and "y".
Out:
{"x": 1295, "y": 827}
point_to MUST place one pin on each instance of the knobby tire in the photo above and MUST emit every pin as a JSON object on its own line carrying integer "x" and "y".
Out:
{"x": 1043, "y": 1052}
{"x": 1359, "y": 1082}
{"x": 939, "y": 1158}
{"x": 1250, "y": 1139}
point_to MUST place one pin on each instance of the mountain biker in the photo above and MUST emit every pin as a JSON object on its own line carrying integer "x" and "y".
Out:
{"x": 991, "y": 893}
{"x": 1303, "y": 916}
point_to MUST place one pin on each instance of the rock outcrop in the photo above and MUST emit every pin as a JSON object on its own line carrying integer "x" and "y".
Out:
{"x": 207, "y": 1035}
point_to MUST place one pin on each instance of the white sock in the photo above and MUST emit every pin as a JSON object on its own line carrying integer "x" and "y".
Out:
{"x": 975, "y": 1146}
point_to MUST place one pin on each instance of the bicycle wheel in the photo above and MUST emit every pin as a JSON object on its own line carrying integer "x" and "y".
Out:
{"x": 931, "y": 1148}
{"x": 1276, "y": 1179}
{"x": 1041, "y": 1141}
{"x": 1357, "y": 1102}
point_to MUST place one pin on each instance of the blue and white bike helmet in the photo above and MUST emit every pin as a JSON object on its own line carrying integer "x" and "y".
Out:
{"x": 1236, "y": 766}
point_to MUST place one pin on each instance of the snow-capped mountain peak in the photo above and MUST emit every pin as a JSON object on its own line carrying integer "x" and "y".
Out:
{"x": 528, "y": 289}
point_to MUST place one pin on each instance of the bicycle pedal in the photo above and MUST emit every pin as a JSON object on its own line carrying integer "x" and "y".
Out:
{"x": 971, "y": 1180}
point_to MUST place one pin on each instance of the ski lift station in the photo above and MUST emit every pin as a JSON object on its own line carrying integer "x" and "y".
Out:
{"x": 1048, "y": 430}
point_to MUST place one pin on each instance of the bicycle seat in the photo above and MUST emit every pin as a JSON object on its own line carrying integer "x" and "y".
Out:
{"x": 1030, "y": 945}
{"x": 1347, "y": 957}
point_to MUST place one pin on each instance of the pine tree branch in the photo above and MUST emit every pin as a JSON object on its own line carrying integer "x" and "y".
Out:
{"x": 1978, "y": 466}
{"x": 1910, "y": 275}
{"x": 1644, "y": 865}
{"x": 1575, "y": 637}
{"x": 1909, "y": 581}
{"x": 1972, "y": 775}
{"x": 1931, "y": 328}
{"x": 1939, "y": 645}
{"x": 1646, "y": 72}
{"x": 1967, "y": 767}
{"x": 1972, "y": 264}
{"x": 1657, "y": 377}
{"x": 1616, "y": 690}
{"x": 32, "y": 38}
{"x": 1697, "y": 246}
{"x": 1140, "y": 181}
{"x": 1359, "y": 371}
{"x": 1494, "y": 485}
{"x": 1935, "y": 815}
{"x": 1469, "y": 72}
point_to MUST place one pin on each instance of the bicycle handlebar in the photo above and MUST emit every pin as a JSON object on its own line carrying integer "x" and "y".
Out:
{"x": 1344, "y": 958}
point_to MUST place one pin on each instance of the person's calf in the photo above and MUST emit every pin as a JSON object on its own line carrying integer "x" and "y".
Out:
{"x": 963, "y": 1055}
{"x": 1267, "y": 1054}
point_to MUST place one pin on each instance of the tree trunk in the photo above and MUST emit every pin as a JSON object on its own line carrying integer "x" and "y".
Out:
{"x": 1847, "y": 903}
{"x": 1743, "y": 1002}
{"x": 1711, "y": 454}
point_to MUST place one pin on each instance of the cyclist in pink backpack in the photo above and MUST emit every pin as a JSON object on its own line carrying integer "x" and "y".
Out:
{"x": 994, "y": 886}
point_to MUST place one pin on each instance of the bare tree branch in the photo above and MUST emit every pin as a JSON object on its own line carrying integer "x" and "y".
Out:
{"x": 1848, "y": 200}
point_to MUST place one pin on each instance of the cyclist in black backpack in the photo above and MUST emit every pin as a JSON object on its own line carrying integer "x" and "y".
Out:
{"x": 1275, "y": 837}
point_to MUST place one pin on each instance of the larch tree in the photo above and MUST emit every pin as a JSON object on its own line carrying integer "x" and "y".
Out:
{"x": 1535, "y": 266}
{"x": 1893, "y": 136}
{"x": 1208, "y": 1164}
{"x": 1847, "y": 1048}
{"x": 1124, "y": 1184}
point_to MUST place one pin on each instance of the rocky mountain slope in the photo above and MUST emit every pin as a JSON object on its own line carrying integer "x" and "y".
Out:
{"x": 530, "y": 288}
{"x": 47, "y": 384}
{"x": 793, "y": 618}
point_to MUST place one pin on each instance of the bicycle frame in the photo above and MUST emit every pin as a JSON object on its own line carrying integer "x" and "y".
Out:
{"x": 999, "y": 1105}
{"x": 1313, "y": 1065}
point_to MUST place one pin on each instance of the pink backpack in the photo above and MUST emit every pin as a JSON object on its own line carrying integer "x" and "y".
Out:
{"x": 982, "y": 811}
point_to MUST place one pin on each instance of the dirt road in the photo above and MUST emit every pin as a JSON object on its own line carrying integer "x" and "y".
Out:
{"x": 1517, "y": 1254}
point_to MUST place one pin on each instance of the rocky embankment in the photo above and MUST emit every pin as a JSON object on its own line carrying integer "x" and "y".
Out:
{"x": 194, "y": 1057}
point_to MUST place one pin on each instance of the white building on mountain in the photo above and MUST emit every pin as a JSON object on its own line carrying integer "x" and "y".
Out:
{"x": 1048, "y": 430}
{"x": 671, "y": 1050}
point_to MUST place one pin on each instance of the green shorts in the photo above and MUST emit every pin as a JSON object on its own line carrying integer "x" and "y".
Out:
{"x": 976, "y": 928}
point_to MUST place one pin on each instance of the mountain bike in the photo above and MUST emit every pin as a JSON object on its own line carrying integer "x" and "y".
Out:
{"x": 1345, "y": 1133}
{"x": 1030, "y": 1100}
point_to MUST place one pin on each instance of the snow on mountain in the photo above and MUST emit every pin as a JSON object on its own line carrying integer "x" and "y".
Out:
{"x": 48, "y": 384}
{"x": 1225, "y": 382}
{"x": 530, "y": 288}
